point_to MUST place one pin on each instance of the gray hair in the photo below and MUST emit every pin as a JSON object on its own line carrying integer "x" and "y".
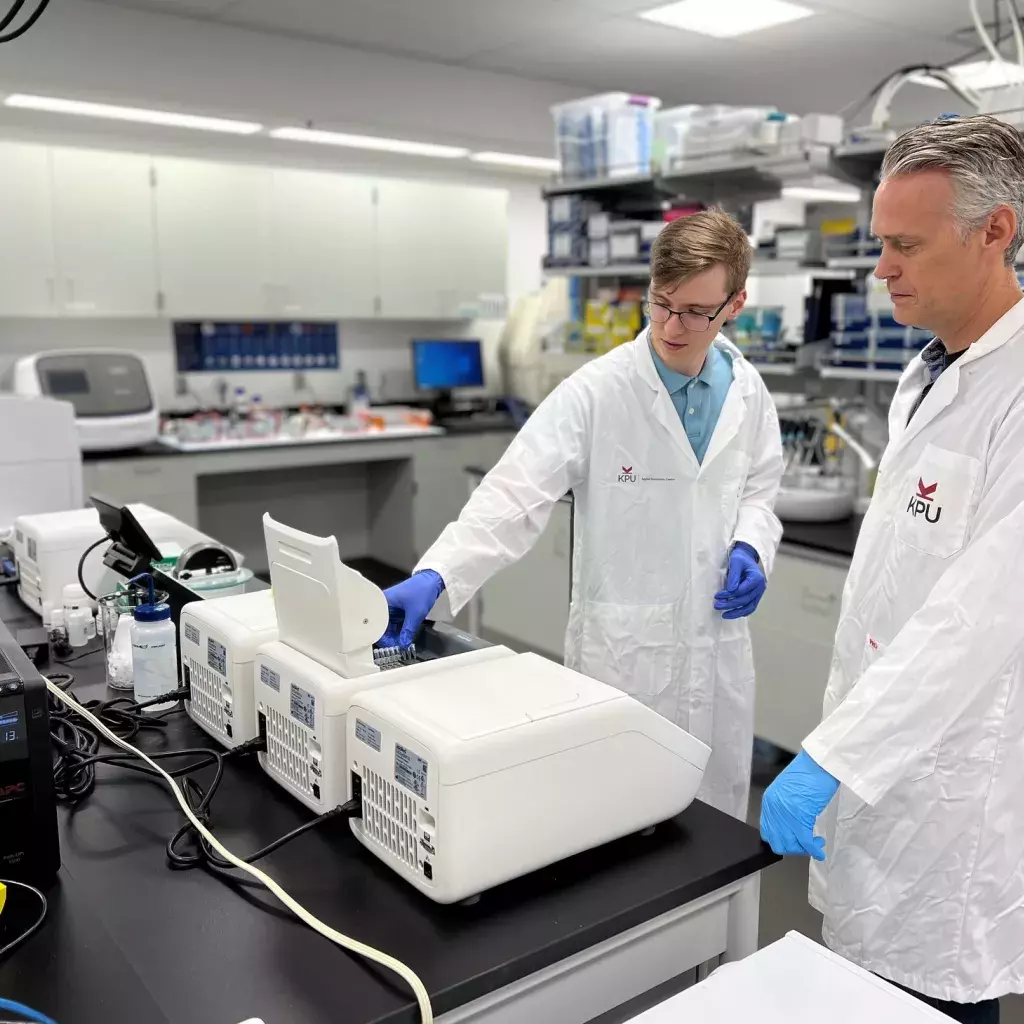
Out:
{"x": 985, "y": 159}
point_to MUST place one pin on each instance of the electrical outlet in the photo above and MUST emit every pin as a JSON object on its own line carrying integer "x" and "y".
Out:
{"x": 299, "y": 381}
{"x": 180, "y": 385}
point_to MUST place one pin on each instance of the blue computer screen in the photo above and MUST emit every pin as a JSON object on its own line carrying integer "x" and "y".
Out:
{"x": 440, "y": 365}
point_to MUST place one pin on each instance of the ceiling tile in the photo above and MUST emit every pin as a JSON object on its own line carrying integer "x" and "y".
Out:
{"x": 794, "y": 67}
{"x": 442, "y": 29}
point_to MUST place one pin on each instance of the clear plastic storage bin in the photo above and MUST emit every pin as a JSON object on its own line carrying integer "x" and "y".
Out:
{"x": 610, "y": 135}
{"x": 720, "y": 131}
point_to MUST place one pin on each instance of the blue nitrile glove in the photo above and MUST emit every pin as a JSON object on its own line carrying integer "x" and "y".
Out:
{"x": 791, "y": 806}
{"x": 409, "y": 603}
{"x": 745, "y": 583}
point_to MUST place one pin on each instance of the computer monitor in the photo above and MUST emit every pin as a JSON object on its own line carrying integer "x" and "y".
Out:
{"x": 445, "y": 364}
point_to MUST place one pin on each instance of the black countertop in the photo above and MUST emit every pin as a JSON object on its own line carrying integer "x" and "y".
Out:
{"x": 839, "y": 538}
{"x": 129, "y": 940}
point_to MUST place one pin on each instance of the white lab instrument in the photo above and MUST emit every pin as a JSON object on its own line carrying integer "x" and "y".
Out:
{"x": 302, "y": 708}
{"x": 922, "y": 718}
{"x": 113, "y": 397}
{"x": 642, "y": 614}
{"x": 488, "y": 771}
{"x": 218, "y": 639}
{"x": 40, "y": 461}
{"x": 48, "y": 547}
{"x": 789, "y": 982}
{"x": 329, "y": 617}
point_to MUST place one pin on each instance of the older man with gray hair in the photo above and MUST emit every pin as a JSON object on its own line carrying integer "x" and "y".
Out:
{"x": 919, "y": 860}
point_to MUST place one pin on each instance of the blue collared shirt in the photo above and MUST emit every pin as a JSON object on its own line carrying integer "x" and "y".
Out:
{"x": 699, "y": 400}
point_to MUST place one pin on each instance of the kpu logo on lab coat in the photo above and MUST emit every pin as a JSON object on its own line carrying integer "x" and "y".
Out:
{"x": 627, "y": 476}
{"x": 923, "y": 503}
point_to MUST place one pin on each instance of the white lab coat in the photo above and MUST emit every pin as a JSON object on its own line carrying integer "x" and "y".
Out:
{"x": 653, "y": 530}
{"x": 924, "y": 710}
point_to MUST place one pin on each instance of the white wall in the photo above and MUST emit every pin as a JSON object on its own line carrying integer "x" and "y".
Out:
{"x": 96, "y": 51}
{"x": 381, "y": 349}
{"x": 91, "y": 50}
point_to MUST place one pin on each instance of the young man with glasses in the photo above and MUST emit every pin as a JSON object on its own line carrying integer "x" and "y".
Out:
{"x": 671, "y": 447}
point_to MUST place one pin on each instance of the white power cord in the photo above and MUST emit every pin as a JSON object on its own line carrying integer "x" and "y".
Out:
{"x": 406, "y": 973}
{"x": 987, "y": 40}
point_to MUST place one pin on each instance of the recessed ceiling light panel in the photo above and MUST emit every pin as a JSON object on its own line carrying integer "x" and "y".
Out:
{"x": 727, "y": 18}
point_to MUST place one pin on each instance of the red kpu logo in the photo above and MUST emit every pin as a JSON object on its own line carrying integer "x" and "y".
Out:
{"x": 923, "y": 502}
{"x": 627, "y": 476}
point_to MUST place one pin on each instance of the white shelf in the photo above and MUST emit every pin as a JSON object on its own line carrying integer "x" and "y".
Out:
{"x": 852, "y": 262}
{"x": 776, "y": 369}
{"x": 612, "y": 270}
{"x": 584, "y": 185}
{"x": 788, "y": 268}
{"x": 860, "y": 373}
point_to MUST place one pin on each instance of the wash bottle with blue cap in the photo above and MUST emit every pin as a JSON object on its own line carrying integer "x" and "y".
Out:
{"x": 154, "y": 648}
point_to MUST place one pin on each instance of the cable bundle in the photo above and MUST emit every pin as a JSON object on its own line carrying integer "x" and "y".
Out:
{"x": 76, "y": 745}
{"x": 13, "y": 13}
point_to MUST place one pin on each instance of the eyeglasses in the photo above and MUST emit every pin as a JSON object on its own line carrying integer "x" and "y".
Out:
{"x": 692, "y": 321}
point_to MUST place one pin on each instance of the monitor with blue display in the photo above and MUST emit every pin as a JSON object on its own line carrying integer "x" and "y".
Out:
{"x": 443, "y": 365}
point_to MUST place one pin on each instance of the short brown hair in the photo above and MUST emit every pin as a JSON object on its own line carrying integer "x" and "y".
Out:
{"x": 696, "y": 243}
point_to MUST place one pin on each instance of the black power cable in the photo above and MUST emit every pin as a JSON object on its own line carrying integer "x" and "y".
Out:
{"x": 29, "y": 22}
{"x": 11, "y": 14}
{"x": 76, "y": 746}
{"x": 81, "y": 565}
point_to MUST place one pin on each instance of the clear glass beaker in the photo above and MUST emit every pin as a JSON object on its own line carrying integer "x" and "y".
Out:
{"x": 116, "y": 614}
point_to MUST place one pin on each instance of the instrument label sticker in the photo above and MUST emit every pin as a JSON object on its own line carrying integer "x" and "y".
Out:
{"x": 191, "y": 633}
{"x": 411, "y": 771}
{"x": 216, "y": 656}
{"x": 303, "y": 706}
{"x": 369, "y": 735}
{"x": 270, "y": 677}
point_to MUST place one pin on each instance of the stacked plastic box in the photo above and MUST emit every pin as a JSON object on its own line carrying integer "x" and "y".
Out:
{"x": 567, "y": 230}
{"x": 871, "y": 339}
{"x": 605, "y": 136}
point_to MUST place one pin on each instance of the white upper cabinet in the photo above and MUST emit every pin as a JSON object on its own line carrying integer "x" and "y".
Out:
{"x": 103, "y": 233}
{"x": 473, "y": 251}
{"x": 441, "y": 249}
{"x": 27, "y": 268}
{"x": 409, "y": 226}
{"x": 94, "y": 233}
{"x": 322, "y": 245}
{"x": 212, "y": 225}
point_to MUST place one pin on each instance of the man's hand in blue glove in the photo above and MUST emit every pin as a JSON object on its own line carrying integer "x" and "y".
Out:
{"x": 791, "y": 806}
{"x": 745, "y": 583}
{"x": 409, "y": 603}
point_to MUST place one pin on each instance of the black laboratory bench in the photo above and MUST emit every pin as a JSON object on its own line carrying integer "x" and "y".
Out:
{"x": 129, "y": 940}
{"x": 838, "y": 538}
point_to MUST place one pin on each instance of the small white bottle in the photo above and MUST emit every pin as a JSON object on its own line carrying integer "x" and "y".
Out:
{"x": 154, "y": 653}
{"x": 78, "y": 616}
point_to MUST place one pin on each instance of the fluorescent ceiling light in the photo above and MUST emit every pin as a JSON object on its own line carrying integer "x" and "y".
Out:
{"x": 532, "y": 163}
{"x": 726, "y": 18}
{"x": 814, "y": 194}
{"x": 368, "y": 142}
{"x": 978, "y": 74}
{"x": 137, "y": 114}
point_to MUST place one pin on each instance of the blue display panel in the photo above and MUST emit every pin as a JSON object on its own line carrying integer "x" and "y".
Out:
{"x": 207, "y": 346}
{"x": 442, "y": 365}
